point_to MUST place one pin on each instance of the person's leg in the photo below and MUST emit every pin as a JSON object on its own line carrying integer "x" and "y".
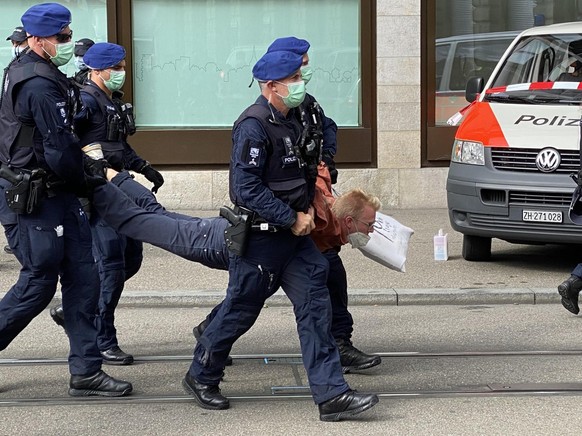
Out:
{"x": 195, "y": 239}
{"x": 342, "y": 322}
{"x": 133, "y": 257}
{"x": 312, "y": 308}
{"x": 108, "y": 250}
{"x": 303, "y": 280}
{"x": 570, "y": 288}
{"x": 41, "y": 253}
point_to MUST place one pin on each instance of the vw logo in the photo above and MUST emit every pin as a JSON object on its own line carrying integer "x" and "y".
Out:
{"x": 548, "y": 160}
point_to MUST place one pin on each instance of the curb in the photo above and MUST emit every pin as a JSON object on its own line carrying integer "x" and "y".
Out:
{"x": 357, "y": 297}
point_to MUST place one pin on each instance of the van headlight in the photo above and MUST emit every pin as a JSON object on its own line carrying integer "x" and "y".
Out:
{"x": 468, "y": 152}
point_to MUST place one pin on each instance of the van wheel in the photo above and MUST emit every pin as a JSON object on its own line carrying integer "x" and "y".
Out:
{"x": 476, "y": 248}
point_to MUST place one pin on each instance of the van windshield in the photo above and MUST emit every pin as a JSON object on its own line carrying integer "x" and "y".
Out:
{"x": 541, "y": 68}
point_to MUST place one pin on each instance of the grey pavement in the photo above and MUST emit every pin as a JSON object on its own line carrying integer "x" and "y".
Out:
{"x": 435, "y": 307}
{"x": 521, "y": 274}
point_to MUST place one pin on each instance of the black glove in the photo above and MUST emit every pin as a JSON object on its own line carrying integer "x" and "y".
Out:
{"x": 95, "y": 167}
{"x": 153, "y": 176}
{"x": 328, "y": 159}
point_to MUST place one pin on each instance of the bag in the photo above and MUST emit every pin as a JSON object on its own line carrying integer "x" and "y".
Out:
{"x": 388, "y": 244}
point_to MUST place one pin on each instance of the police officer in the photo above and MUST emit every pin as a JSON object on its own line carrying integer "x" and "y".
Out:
{"x": 40, "y": 153}
{"x": 19, "y": 41}
{"x": 342, "y": 320}
{"x": 268, "y": 185}
{"x": 108, "y": 121}
{"x": 81, "y": 47}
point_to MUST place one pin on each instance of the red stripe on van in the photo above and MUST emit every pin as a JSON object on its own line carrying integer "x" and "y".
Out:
{"x": 480, "y": 124}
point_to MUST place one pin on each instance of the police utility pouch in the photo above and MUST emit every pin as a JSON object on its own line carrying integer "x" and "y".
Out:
{"x": 236, "y": 235}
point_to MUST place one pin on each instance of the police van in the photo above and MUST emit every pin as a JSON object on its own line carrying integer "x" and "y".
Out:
{"x": 517, "y": 144}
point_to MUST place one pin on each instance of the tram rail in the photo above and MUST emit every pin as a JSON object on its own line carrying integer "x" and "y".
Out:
{"x": 302, "y": 393}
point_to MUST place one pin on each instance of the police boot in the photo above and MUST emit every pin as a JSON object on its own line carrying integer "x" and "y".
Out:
{"x": 98, "y": 384}
{"x": 197, "y": 332}
{"x": 353, "y": 359}
{"x": 348, "y": 404}
{"x": 116, "y": 356}
{"x": 569, "y": 290}
{"x": 58, "y": 315}
{"x": 207, "y": 396}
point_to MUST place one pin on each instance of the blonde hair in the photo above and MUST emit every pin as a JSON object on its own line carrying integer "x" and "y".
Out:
{"x": 353, "y": 202}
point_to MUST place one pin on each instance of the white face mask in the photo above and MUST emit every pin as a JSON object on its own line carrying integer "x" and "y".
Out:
{"x": 17, "y": 50}
{"x": 358, "y": 239}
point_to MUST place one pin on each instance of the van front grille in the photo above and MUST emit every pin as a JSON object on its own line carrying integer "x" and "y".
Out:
{"x": 524, "y": 159}
{"x": 540, "y": 198}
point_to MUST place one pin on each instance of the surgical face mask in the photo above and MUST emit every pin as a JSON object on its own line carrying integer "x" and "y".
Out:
{"x": 116, "y": 80}
{"x": 296, "y": 94}
{"x": 358, "y": 239}
{"x": 306, "y": 73}
{"x": 79, "y": 64}
{"x": 63, "y": 52}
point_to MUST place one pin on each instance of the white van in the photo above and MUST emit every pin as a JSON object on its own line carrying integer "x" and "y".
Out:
{"x": 517, "y": 144}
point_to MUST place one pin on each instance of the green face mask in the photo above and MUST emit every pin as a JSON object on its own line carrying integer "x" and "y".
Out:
{"x": 116, "y": 80}
{"x": 296, "y": 94}
{"x": 306, "y": 73}
{"x": 63, "y": 52}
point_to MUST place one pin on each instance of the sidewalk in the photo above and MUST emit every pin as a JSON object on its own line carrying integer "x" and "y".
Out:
{"x": 516, "y": 274}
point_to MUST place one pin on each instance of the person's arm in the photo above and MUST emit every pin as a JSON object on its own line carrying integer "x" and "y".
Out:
{"x": 40, "y": 100}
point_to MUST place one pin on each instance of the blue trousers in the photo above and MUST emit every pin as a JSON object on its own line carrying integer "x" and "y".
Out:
{"x": 142, "y": 218}
{"x": 273, "y": 260}
{"x": 118, "y": 258}
{"x": 51, "y": 243}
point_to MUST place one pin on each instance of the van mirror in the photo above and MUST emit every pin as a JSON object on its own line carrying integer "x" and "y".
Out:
{"x": 474, "y": 87}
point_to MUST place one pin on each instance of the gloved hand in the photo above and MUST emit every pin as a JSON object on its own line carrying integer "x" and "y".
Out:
{"x": 153, "y": 176}
{"x": 95, "y": 167}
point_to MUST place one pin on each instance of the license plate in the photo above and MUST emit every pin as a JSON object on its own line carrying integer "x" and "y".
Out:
{"x": 542, "y": 216}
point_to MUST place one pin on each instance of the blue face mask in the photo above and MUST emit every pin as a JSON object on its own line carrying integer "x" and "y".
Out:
{"x": 79, "y": 64}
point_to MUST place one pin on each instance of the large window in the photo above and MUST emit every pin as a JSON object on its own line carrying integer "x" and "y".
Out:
{"x": 192, "y": 59}
{"x": 466, "y": 39}
{"x": 89, "y": 21}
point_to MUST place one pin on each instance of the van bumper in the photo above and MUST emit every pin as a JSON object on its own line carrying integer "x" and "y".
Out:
{"x": 487, "y": 202}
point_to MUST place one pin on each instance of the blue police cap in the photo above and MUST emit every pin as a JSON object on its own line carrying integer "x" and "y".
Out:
{"x": 277, "y": 65}
{"x": 103, "y": 55}
{"x": 46, "y": 19}
{"x": 290, "y": 43}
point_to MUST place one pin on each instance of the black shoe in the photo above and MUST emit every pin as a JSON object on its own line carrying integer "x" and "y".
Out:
{"x": 197, "y": 332}
{"x": 98, "y": 384}
{"x": 348, "y": 404}
{"x": 8, "y": 250}
{"x": 115, "y": 356}
{"x": 353, "y": 359}
{"x": 207, "y": 396}
{"x": 58, "y": 315}
{"x": 569, "y": 290}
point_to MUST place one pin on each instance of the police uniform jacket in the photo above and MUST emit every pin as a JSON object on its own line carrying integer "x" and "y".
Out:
{"x": 265, "y": 172}
{"x": 36, "y": 121}
{"x": 94, "y": 125}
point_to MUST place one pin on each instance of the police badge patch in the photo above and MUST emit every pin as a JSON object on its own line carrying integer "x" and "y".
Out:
{"x": 254, "y": 154}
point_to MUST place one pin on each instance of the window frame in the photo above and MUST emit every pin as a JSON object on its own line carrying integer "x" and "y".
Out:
{"x": 357, "y": 146}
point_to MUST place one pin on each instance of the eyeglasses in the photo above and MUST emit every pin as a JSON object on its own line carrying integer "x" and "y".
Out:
{"x": 368, "y": 225}
{"x": 64, "y": 37}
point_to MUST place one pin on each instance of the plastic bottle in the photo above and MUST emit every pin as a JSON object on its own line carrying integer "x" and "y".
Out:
{"x": 441, "y": 246}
